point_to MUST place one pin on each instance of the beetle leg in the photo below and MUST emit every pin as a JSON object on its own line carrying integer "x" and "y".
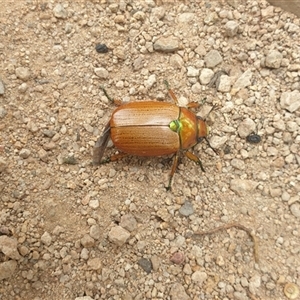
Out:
{"x": 105, "y": 93}
{"x": 174, "y": 167}
{"x": 118, "y": 156}
{"x": 171, "y": 93}
{"x": 195, "y": 158}
{"x": 115, "y": 101}
{"x": 100, "y": 145}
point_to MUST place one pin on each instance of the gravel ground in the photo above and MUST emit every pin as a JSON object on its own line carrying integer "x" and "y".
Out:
{"x": 70, "y": 230}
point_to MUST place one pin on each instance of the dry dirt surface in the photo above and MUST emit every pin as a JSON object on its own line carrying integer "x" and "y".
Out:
{"x": 72, "y": 230}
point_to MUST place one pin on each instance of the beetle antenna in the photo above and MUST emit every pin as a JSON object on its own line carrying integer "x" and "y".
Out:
{"x": 167, "y": 84}
{"x": 105, "y": 93}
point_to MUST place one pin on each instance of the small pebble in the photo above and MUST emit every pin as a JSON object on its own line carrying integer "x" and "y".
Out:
{"x": 145, "y": 264}
{"x": 186, "y": 209}
{"x": 253, "y": 138}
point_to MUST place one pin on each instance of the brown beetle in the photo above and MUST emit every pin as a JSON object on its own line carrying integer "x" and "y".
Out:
{"x": 152, "y": 128}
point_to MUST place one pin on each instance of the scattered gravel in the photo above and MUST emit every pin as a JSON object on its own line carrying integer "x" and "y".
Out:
{"x": 70, "y": 230}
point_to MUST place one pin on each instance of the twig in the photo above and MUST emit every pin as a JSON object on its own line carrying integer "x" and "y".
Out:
{"x": 238, "y": 226}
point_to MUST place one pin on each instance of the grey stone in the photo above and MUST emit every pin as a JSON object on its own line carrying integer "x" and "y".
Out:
{"x": 273, "y": 59}
{"x": 158, "y": 12}
{"x": 95, "y": 263}
{"x": 24, "y": 153}
{"x": 295, "y": 209}
{"x": 177, "y": 292}
{"x": 176, "y": 61}
{"x": 150, "y": 81}
{"x": 224, "y": 84}
{"x": 128, "y": 222}
{"x": 118, "y": 235}
{"x": 2, "y": 89}
{"x": 213, "y": 58}
{"x": 218, "y": 141}
{"x": 290, "y": 100}
{"x": 46, "y": 239}
{"x": 3, "y": 112}
{"x": 192, "y": 72}
{"x": 242, "y": 186}
{"x": 101, "y": 73}
{"x": 238, "y": 163}
{"x": 60, "y": 12}
{"x": 186, "y": 209}
{"x": 243, "y": 81}
{"x": 3, "y": 164}
{"x": 8, "y": 246}
{"x": 23, "y": 73}
{"x": 231, "y": 28}
{"x": 155, "y": 260}
{"x": 95, "y": 232}
{"x": 166, "y": 44}
{"x": 145, "y": 264}
{"x": 7, "y": 269}
{"x": 196, "y": 88}
{"x": 186, "y": 17}
{"x": 199, "y": 277}
{"x": 206, "y": 75}
{"x": 87, "y": 241}
{"x": 246, "y": 127}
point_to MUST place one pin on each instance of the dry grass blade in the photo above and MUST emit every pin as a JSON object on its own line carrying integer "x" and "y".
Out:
{"x": 238, "y": 226}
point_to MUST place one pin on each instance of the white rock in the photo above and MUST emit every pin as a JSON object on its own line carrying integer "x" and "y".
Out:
{"x": 166, "y": 44}
{"x": 231, "y": 28}
{"x": 242, "y": 187}
{"x": 199, "y": 277}
{"x": 206, "y": 75}
{"x": 60, "y": 12}
{"x": 243, "y": 81}
{"x": 150, "y": 81}
{"x": 218, "y": 141}
{"x": 246, "y": 127}
{"x": 118, "y": 235}
{"x": 95, "y": 263}
{"x": 295, "y": 209}
{"x": 273, "y": 59}
{"x": 290, "y": 100}
{"x": 101, "y": 72}
{"x": 46, "y": 238}
{"x": 192, "y": 72}
{"x": 8, "y": 246}
{"x": 1, "y": 87}
{"x": 186, "y": 17}
{"x": 213, "y": 58}
{"x": 7, "y": 269}
{"x": 224, "y": 84}
{"x": 23, "y": 73}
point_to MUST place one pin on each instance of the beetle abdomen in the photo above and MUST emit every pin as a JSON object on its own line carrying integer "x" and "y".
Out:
{"x": 145, "y": 140}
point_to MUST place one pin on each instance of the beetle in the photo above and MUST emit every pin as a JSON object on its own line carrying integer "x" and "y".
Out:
{"x": 153, "y": 128}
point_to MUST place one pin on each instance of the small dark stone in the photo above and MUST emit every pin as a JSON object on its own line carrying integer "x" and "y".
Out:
{"x": 227, "y": 149}
{"x": 145, "y": 264}
{"x": 69, "y": 160}
{"x": 253, "y": 138}
{"x": 101, "y": 48}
